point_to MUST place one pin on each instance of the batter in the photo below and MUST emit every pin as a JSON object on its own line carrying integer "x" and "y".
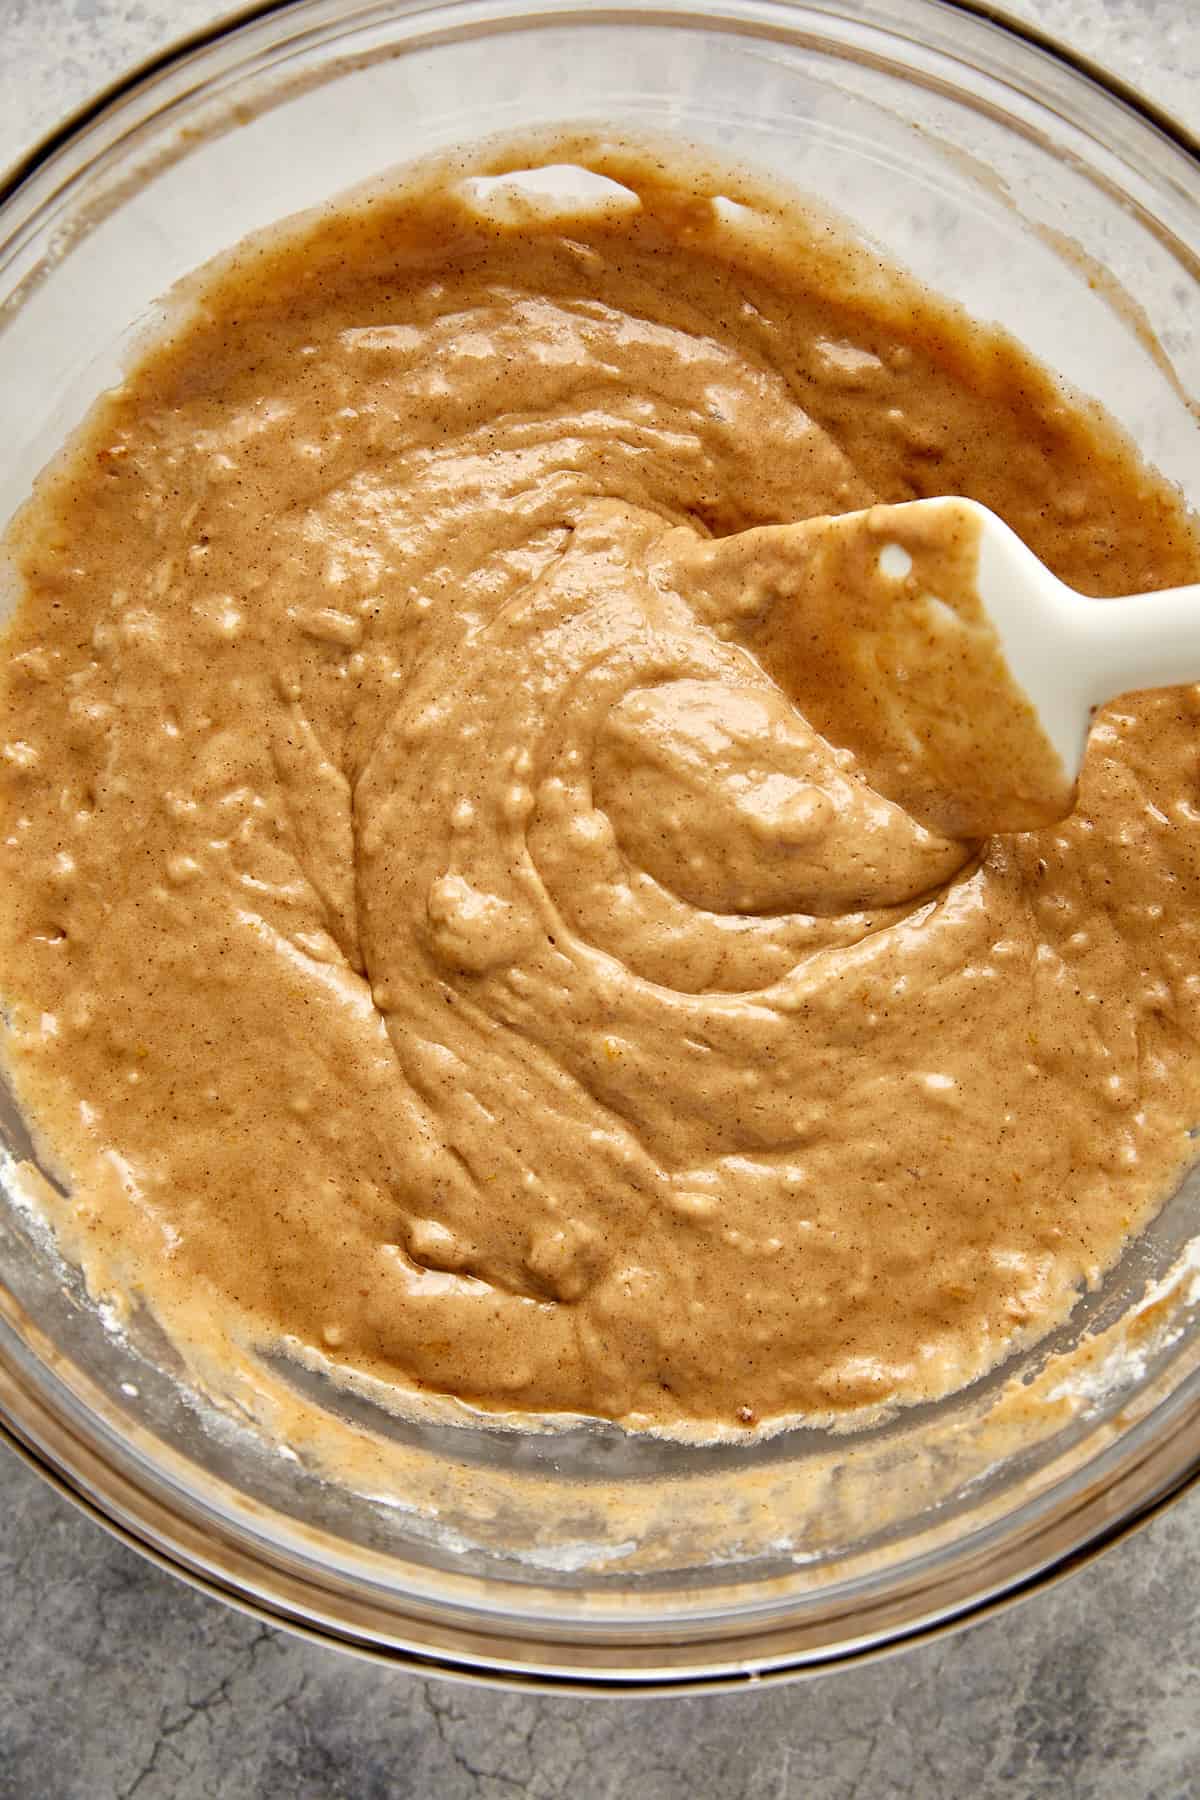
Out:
{"x": 431, "y": 927}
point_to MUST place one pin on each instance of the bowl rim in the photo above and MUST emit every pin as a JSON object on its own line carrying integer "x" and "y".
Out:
{"x": 45, "y": 1441}
{"x": 179, "y": 48}
{"x": 475, "y": 1673}
{"x": 484, "y": 1658}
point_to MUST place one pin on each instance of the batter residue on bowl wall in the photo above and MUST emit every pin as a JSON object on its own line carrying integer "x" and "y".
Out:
{"x": 430, "y": 931}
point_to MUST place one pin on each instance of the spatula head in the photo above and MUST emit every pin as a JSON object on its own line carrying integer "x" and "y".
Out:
{"x": 872, "y": 623}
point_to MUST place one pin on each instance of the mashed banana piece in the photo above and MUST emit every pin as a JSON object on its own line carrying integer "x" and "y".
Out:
{"x": 427, "y": 929}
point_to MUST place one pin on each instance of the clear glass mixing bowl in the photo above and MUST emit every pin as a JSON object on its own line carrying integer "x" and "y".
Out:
{"x": 1009, "y": 176}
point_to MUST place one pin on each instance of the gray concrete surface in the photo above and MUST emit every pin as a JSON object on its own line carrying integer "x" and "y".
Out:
{"x": 117, "y": 1681}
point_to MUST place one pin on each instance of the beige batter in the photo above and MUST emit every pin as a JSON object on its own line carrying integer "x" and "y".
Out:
{"x": 430, "y": 923}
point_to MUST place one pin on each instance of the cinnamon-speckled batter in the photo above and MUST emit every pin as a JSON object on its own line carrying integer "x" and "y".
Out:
{"x": 431, "y": 930}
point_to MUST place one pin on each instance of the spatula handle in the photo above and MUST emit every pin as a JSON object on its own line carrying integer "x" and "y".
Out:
{"x": 1144, "y": 641}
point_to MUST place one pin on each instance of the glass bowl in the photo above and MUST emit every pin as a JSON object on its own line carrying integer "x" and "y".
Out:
{"x": 1011, "y": 177}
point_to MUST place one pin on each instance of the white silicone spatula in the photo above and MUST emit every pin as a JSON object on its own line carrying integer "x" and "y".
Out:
{"x": 1066, "y": 651}
{"x": 930, "y": 640}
